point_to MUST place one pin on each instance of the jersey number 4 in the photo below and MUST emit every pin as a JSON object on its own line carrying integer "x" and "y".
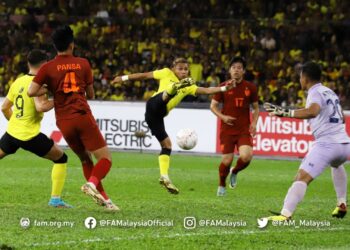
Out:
{"x": 70, "y": 83}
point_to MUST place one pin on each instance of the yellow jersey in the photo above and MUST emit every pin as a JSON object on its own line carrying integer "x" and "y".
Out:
{"x": 25, "y": 121}
{"x": 167, "y": 77}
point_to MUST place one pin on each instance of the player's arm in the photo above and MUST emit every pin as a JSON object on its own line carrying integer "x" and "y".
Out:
{"x": 36, "y": 89}
{"x": 90, "y": 93}
{"x": 214, "y": 107}
{"x": 214, "y": 90}
{"x": 133, "y": 77}
{"x": 306, "y": 113}
{"x": 43, "y": 104}
{"x": 6, "y": 108}
{"x": 255, "y": 117}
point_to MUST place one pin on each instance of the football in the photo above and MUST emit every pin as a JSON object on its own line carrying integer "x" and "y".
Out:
{"x": 186, "y": 138}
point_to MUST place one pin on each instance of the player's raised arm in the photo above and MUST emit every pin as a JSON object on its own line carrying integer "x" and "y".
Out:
{"x": 133, "y": 77}
{"x": 6, "y": 108}
{"x": 43, "y": 104}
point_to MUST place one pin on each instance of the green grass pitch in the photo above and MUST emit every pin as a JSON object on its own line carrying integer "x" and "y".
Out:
{"x": 133, "y": 185}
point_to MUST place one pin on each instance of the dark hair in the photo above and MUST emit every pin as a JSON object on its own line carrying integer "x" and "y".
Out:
{"x": 238, "y": 59}
{"x": 179, "y": 60}
{"x": 62, "y": 37}
{"x": 312, "y": 70}
{"x": 36, "y": 56}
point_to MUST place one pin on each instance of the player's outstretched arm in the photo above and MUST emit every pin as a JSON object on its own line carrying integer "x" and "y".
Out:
{"x": 307, "y": 113}
{"x": 6, "y": 108}
{"x": 213, "y": 90}
{"x": 36, "y": 90}
{"x": 132, "y": 77}
{"x": 43, "y": 104}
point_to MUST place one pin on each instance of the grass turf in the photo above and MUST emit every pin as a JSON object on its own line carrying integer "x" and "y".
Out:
{"x": 133, "y": 185}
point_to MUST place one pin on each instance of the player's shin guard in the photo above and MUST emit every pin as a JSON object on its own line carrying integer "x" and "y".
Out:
{"x": 223, "y": 173}
{"x": 340, "y": 183}
{"x": 240, "y": 165}
{"x": 294, "y": 196}
{"x": 164, "y": 161}
{"x": 100, "y": 170}
{"x": 58, "y": 177}
{"x": 87, "y": 170}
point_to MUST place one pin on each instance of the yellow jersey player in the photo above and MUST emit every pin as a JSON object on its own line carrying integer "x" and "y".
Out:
{"x": 174, "y": 85}
{"x": 24, "y": 115}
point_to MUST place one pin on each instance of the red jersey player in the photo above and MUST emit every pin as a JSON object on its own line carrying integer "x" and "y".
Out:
{"x": 70, "y": 80}
{"x": 236, "y": 127}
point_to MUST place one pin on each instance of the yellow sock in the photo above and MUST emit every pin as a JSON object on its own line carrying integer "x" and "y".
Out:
{"x": 58, "y": 176}
{"x": 164, "y": 162}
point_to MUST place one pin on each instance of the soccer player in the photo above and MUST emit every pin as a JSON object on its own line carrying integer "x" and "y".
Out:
{"x": 331, "y": 147}
{"x": 236, "y": 128}
{"x": 70, "y": 80}
{"x": 23, "y": 129}
{"x": 174, "y": 85}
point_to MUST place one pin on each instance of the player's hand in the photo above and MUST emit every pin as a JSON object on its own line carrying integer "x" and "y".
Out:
{"x": 117, "y": 80}
{"x": 252, "y": 129}
{"x": 275, "y": 110}
{"x": 231, "y": 84}
{"x": 228, "y": 119}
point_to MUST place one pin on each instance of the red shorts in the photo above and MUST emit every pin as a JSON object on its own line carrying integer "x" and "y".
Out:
{"x": 82, "y": 133}
{"x": 229, "y": 142}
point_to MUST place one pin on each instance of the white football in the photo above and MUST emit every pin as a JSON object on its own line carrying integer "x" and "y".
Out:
{"x": 186, "y": 138}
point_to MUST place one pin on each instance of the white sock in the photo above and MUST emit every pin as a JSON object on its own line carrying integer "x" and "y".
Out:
{"x": 165, "y": 176}
{"x": 340, "y": 183}
{"x": 92, "y": 184}
{"x": 295, "y": 195}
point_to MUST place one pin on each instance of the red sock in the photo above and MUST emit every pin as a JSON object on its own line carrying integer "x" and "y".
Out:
{"x": 87, "y": 169}
{"x": 100, "y": 170}
{"x": 223, "y": 173}
{"x": 240, "y": 165}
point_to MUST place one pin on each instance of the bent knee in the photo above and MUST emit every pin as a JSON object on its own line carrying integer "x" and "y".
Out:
{"x": 246, "y": 157}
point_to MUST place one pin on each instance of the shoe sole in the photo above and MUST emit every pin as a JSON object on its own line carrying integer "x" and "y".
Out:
{"x": 94, "y": 195}
{"x": 170, "y": 190}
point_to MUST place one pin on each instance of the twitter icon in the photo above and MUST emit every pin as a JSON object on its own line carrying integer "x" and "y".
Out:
{"x": 262, "y": 222}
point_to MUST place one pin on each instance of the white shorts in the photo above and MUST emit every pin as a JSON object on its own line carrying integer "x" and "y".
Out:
{"x": 323, "y": 155}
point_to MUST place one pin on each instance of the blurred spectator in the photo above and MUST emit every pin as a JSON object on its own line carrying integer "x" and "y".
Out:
{"x": 141, "y": 35}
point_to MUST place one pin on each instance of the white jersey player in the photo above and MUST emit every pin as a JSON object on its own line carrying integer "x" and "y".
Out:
{"x": 331, "y": 147}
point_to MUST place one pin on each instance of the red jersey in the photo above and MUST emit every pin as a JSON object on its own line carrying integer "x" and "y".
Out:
{"x": 236, "y": 103}
{"x": 67, "y": 77}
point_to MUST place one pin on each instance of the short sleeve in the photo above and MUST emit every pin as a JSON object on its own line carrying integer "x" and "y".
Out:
{"x": 192, "y": 90}
{"x": 314, "y": 97}
{"x": 254, "y": 96}
{"x": 10, "y": 94}
{"x": 162, "y": 73}
{"x": 88, "y": 74}
{"x": 218, "y": 97}
{"x": 41, "y": 77}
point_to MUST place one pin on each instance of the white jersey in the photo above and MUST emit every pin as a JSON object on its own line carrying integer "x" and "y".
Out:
{"x": 328, "y": 125}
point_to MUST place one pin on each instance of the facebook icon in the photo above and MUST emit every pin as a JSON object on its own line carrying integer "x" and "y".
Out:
{"x": 90, "y": 222}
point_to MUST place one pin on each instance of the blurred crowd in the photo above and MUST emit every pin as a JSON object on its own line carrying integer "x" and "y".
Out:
{"x": 120, "y": 37}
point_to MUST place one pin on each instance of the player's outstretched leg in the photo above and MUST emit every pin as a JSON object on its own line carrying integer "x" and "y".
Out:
{"x": 339, "y": 177}
{"x": 58, "y": 177}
